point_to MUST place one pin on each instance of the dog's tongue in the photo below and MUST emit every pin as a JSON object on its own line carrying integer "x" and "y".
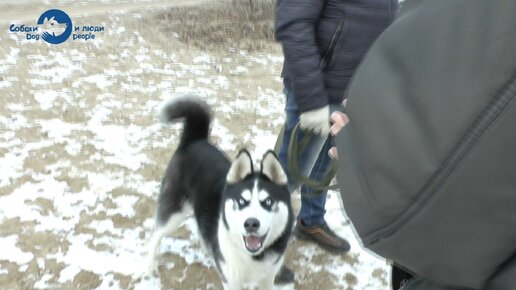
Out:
{"x": 253, "y": 243}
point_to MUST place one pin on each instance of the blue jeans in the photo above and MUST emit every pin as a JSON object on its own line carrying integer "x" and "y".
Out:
{"x": 314, "y": 161}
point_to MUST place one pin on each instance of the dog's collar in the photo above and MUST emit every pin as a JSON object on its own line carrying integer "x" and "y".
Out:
{"x": 259, "y": 257}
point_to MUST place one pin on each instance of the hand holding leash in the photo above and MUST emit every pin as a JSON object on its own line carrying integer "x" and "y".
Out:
{"x": 316, "y": 121}
{"x": 338, "y": 121}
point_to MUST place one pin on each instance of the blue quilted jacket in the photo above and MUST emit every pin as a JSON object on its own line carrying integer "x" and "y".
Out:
{"x": 323, "y": 43}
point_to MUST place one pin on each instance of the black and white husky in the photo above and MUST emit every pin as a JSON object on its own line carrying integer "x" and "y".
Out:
{"x": 244, "y": 215}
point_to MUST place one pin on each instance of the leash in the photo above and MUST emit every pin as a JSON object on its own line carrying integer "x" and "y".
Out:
{"x": 295, "y": 149}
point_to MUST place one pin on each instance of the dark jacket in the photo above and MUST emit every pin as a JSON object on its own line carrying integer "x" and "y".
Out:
{"x": 306, "y": 28}
{"x": 427, "y": 163}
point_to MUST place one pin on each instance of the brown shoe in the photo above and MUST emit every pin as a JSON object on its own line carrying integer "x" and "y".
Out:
{"x": 323, "y": 236}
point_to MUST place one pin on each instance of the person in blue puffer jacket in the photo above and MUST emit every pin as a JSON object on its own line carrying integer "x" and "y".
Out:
{"x": 323, "y": 43}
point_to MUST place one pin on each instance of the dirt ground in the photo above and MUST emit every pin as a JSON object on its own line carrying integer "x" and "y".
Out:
{"x": 82, "y": 154}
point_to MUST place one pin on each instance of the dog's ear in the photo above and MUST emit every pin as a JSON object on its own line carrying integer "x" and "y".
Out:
{"x": 241, "y": 167}
{"x": 272, "y": 168}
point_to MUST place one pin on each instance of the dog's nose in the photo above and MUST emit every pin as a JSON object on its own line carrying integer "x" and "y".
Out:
{"x": 251, "y": 225}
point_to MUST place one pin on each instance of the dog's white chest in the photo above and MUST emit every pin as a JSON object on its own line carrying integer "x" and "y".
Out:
{"x": 240, "y": 269}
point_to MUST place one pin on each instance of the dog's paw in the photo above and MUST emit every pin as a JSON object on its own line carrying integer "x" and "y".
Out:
{"x": 150, "y": 268}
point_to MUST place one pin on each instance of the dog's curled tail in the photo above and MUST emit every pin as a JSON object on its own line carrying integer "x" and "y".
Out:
{"x": 196, "y": 115}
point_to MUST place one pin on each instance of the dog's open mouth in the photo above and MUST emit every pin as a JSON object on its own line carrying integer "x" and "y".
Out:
{"x": 254, "y": 243}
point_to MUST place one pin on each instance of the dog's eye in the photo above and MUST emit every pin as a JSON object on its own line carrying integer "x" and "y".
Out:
{"x": 268, "y": 202}
{"x": 242, "y": 201}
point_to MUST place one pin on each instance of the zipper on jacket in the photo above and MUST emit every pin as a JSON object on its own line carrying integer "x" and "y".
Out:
{"x": 329, "y": 52}
{"x": 486, "y": 119}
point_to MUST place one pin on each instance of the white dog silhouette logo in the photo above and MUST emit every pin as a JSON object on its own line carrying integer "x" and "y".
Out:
{"x": 56, "y": 26}
{"x": 51, "y": 26}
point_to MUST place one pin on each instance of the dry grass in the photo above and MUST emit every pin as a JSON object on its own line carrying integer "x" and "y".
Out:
{"x": 222, "y": 24}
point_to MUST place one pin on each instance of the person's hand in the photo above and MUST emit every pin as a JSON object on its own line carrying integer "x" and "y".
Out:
{"x": 316, "y": 121}
{"x": 338, "y": 121}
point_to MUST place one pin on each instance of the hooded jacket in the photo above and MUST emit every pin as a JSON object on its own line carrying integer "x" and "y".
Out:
{"x": 427, "y": 163}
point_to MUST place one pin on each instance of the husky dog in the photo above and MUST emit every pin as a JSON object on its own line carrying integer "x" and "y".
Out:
{"x": 244, "y": 215}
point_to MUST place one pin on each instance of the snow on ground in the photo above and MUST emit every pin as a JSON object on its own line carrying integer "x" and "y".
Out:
{"x": 82, "y": 155}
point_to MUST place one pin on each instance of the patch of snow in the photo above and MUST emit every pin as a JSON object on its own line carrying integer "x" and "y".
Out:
{"x": 10, "y": 252}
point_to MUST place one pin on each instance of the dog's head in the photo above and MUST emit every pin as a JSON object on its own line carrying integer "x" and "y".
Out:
{"x": 257, "y": 208}
{"x": 53, "y": 27}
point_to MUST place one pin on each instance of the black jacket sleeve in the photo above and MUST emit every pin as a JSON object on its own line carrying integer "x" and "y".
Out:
{"x": 295, "y": 25}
